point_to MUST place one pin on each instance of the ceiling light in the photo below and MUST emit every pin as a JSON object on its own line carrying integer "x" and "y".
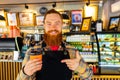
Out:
{"x": 26, "y": 6}
{"x": 54, "y": 5}
{"x": 88, "y": 3}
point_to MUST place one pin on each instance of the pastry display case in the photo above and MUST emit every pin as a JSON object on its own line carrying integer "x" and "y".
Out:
{"x": 109, "y": 52}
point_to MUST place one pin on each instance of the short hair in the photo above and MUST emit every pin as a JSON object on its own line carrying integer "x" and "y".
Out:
{"x": 50, "y": 12}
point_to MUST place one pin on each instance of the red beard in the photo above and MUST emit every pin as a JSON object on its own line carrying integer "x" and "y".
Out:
{"x": 53, "y": 40}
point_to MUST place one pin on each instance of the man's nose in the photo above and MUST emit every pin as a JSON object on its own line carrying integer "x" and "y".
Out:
{"x": 53, "y": 27}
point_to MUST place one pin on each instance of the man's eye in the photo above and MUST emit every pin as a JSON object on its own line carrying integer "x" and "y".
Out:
{"x": 57, "y": 23}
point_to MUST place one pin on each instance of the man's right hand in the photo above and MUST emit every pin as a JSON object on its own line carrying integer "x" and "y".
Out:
{"x": 32, "y": 66}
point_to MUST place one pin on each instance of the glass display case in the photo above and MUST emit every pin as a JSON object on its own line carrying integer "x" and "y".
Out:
{"x": 85, "y": 43}
{"x": 109, "y": 52}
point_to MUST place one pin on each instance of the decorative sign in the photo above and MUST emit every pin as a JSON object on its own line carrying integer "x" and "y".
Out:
{"x": 26, "y": 19}
{"x": 86, "y": 24}
{"x": 12, "y": 19}
{"x": 39, "y": 20}
{"x": 76, "y": 16}
{"x": 114, "y": 22}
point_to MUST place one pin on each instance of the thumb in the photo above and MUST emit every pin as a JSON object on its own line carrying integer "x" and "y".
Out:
{"x": 77, "y": 55}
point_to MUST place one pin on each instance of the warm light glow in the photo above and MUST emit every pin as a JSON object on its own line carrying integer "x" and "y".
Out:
{"x": 30, "y": 10}
{"x": 60, "y": 10}
{"x": 2, "y": 24}
{"x": 115, "y": 7}
{"x": 91, "y": 11}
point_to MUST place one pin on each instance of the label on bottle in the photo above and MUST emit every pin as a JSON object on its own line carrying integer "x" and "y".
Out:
{"x": 99, "y": 27}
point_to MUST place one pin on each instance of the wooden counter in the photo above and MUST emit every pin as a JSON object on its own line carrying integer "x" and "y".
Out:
{"x": 10, "y": 69}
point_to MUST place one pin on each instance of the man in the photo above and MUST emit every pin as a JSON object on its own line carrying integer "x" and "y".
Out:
{"x": 59, "y": 61}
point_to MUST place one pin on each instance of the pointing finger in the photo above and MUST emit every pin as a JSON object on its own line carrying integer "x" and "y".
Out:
{"x": 77, "y": 55}
{"x": 65, "y": 61}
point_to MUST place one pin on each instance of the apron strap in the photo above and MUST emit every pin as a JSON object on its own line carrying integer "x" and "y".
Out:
{"x": 62, "y": 44}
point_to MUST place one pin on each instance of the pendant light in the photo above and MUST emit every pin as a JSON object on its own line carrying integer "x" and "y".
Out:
{"x": 88, "y": 3}
{"x": 2, "y": 18}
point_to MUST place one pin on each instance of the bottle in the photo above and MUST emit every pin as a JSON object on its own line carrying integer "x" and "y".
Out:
{"x": 99, "y": 25}
{"x": 93, "y": 26}
{"x": 77, "y": 28}
{"x": 37, "y": 36}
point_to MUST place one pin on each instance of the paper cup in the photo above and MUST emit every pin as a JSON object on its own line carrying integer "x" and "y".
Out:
{"x": 39, "y": 56}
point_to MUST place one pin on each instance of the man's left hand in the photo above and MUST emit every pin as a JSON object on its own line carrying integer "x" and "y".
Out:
{"x": 72, "y": 64}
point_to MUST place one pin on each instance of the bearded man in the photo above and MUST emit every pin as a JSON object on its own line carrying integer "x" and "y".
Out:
{"x": 59, "y": 60}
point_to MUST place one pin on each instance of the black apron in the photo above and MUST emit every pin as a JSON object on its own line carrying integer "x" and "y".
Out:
{"x": 52, "y": 68}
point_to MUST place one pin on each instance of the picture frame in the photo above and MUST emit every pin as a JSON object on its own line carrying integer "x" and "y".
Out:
{"x": 119, "y": 26}
{"x": 26, "y": 19}
{"x": 12, "y": 18}
{"x": 86, "y": 24}
{"x": 76, "y": 16}
{"x": 114, "y": 22}
{"x": 39, "y": 20}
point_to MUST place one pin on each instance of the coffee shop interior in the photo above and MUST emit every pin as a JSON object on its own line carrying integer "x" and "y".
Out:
{"x": 91, "y": 26}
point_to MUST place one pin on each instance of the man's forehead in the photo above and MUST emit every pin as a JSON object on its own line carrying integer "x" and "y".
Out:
{"x": 53, "y": 15}
{"x": 53, "y": 19}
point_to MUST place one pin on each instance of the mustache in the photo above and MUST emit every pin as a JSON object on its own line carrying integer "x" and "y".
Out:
{"x": 53, "y": 30}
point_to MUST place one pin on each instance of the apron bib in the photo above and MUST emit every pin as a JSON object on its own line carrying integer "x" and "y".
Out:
{"x": 52, "y": 68}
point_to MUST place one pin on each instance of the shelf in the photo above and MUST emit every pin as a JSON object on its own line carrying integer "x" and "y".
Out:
{"x": 108, "y": 32}
{"x": 73, "y": 33}
{"x": 107, "y": 41}
{"x": 116, "y": 51}
{"x": 32, "y": 27}
{"x": 111, "y": 65}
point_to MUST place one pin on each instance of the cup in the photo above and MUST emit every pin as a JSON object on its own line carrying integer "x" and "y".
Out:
{"x": 36, "y": 54}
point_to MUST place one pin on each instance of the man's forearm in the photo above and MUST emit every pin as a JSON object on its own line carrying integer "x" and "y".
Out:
{"x": 23, "y": 76}
{"x": 84, "y": 71}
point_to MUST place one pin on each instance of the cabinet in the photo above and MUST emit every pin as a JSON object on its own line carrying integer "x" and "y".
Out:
{"x": 109, "y": 52}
